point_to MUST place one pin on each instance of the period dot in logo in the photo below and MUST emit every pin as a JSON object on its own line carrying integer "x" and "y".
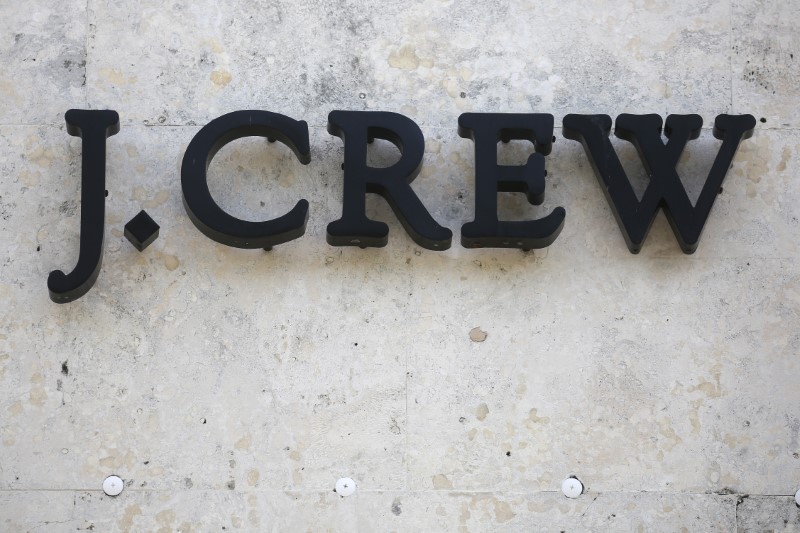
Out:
{"x": 141, "y": 230}
{"x": 345, "y": 486}
{"x": 572, "y": 487}
{"x": 113, "y": 485}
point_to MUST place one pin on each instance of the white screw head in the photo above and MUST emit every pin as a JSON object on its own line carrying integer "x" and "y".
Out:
{"x": 572, "y": 487}
{"x": 345, "y": 486}
{"x": 797, "y": 497}
{"x": 113, "y": 485}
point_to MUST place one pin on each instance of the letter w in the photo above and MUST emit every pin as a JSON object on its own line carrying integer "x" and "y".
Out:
{"x": 664, "y": 189}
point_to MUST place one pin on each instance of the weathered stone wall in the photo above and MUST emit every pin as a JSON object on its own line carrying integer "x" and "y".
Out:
{"x": 231, "y": 388}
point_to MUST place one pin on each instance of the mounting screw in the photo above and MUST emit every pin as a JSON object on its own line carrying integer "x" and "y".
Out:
{"x": 797, "y": 497}
{"x": 345, "y": 486}
{"x": 113, "y": 485}
{"x": 572, "y": 487}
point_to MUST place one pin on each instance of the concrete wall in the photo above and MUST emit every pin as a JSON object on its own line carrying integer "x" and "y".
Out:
{"x": 230, "y": 388}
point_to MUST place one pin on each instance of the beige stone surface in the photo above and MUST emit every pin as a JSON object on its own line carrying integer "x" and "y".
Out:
{"x": 369, "y": 511}
{"x": 232, "y": 388}
{"x": 763, "y": 513}
{"x": 44, "y": 60}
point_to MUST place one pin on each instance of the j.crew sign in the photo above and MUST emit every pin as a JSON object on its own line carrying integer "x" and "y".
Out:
{"x": 358, "y": 128}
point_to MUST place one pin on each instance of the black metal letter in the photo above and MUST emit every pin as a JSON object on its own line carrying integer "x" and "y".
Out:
{"x": 486, "y": 129}
{"x": 204, "y": 212}
{"x": 356, "y": 129}
{"x": 93, "y": 127}
{"x": 665, "y": 189}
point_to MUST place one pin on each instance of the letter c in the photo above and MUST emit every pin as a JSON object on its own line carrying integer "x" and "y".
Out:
{"x": 204, "y": 212}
